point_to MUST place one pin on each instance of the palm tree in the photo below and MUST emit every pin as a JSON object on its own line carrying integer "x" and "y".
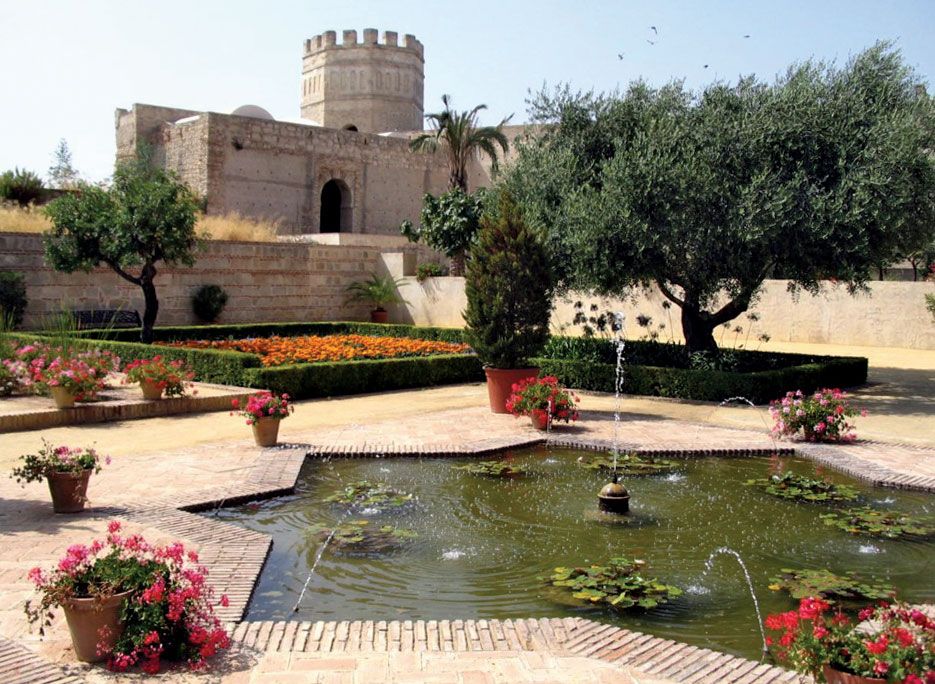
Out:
{"x": 460, "y": 136}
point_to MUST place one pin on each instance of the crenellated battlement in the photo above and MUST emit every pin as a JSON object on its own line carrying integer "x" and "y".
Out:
{"x": 349, "y": 39}
{"x": 363, "y": 81}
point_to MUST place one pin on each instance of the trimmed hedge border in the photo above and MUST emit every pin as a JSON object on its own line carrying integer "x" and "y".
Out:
{"x": 706, "y": 385}
{"x": 210, "y": 365}
{"x": 245, "y": 330}
{"x": 301, "y": 381}
{"x": 371, "y": 375}
{"x": 768, "y": 375}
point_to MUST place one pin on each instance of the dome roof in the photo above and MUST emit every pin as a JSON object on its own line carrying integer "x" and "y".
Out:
{"x": 253, "y": 111}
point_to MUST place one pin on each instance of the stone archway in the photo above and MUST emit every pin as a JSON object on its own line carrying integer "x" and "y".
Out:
{"x": 336, "y": 214}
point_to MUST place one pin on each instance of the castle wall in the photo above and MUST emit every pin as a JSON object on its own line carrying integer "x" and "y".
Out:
{"x": 276, "y": 170}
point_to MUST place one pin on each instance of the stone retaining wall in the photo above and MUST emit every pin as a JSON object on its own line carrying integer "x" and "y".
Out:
{"x": 892, "y": 314}
{"x": 264, "y": 281}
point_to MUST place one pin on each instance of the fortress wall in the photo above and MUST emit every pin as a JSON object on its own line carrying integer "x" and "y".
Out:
{"x": 265, "y": 282}
{"x": 276, "y": 170}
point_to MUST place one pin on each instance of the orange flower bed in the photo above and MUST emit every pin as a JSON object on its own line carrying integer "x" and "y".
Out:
{"x": 278, "y": 351}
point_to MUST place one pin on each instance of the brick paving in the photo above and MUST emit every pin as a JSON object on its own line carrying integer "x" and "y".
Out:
{"x": 156, "y": 493}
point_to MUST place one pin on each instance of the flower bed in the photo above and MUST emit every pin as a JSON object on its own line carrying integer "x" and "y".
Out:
{"x": 279, "y": 351}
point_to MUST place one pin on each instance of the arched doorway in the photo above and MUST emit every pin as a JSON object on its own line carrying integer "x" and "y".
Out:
{"x": 335, "y": 207}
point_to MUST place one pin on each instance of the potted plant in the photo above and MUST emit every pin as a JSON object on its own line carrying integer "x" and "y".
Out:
{"x": 822, "y": 416}
{"x": 509, "y": 300}
{"x": 67, "y": 471}
{"x": 67, "y": 378}
{"x": 131, "y": 603}
{"x": 543, "y": 400}
{"x": 378, "y": 291}
{"x": 263, "y": 412}
{"x": 891, "y": 642}
{"x": 157, "y": 377}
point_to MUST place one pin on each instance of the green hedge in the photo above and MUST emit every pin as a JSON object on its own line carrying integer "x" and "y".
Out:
{"x": 681, "y": 383}
{"x": 372, "y": 375}
{"x": 209, "y": 365}
{"x": 245, "y": 330}
{"x": 302, "y": 380}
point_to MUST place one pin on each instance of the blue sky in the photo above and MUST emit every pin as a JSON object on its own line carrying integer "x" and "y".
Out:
{"x": 65, "y": 66}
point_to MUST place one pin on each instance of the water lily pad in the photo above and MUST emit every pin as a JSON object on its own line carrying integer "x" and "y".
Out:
{"x": 876, "y": 523}
{"x": 492, "y": 469}
{"x": 630, "y": 465}
{"x": 361, "y": 537}
{"x": 619, "y": 584}
{"x": 801, "y": 488}
{"x": 800, "y": 583}
{"x": 367, "y": 494}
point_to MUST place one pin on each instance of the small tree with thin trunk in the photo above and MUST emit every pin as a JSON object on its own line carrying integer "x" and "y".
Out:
{"x": 146, "y": 217}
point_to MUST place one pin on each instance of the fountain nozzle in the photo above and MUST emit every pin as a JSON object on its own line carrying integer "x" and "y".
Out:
{"x": 614, "y": 497}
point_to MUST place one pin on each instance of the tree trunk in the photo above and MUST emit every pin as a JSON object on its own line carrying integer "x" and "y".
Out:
{"x": 456, "y": 265}
{"x": 151, "y": 302}
{"x": 698, "y": 330}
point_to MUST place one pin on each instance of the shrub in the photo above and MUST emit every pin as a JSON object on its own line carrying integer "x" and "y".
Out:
{"x": 377, "y": 291}
{"x": 208, "y": 302}
{"x": 12, "y": 298}
{"x": 306, "y": 380}
{"x": 429, "y": 270}
{"x": 20, "y": 186}
{"x": 681, "y": 383}
{"x": 509, "y": 290}
{"x": 449, "y": 224}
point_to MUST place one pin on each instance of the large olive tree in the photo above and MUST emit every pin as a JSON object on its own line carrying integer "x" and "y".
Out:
{"x": 147, "y": 216}
{"x": 823, "y": 174}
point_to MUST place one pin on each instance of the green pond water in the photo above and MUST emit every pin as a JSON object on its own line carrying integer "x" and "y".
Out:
{"x": 484, "y": 544}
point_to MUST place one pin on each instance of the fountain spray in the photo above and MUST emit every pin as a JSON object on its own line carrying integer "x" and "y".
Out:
{"x": 614, "y": 497}
{"x": 746, "y": 573}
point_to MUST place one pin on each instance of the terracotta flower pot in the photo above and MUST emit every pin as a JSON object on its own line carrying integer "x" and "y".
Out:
{"x": 63, "y": 398}
{"x": 69, "y": 491}
{"x": 540, "y": 421}
{"x": 500, "y": 383}
{"x": 379, "y": 316}
{"x": 92, "y": 622}
{"x": 151, "y": 390}
{"x": 266, "y": 431}
{"x": 833, "y": 676}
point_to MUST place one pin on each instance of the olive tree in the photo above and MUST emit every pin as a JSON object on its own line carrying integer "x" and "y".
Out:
{"x": 147, "y": 216}
{"x": 823, "y": 174}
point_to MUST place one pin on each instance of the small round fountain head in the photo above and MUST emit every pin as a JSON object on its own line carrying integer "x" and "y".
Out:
{"x": 614, "y": 498}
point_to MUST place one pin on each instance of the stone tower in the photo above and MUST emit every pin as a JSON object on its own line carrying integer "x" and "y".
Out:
{"x": 371, "y": 86}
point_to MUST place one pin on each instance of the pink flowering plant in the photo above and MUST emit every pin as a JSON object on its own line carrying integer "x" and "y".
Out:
{"x": 822, "y": 416}
{"x": 168, "y": 612}
{"x": 891, "y": 641}
{"x": 541, "y": 398}
{"x": 263, "y": 405}
{"x": 172, "y": 377}
{"x": 57, "y": 459}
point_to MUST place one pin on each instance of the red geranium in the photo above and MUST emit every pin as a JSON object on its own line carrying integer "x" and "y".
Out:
{"x": 892, "y": 641}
